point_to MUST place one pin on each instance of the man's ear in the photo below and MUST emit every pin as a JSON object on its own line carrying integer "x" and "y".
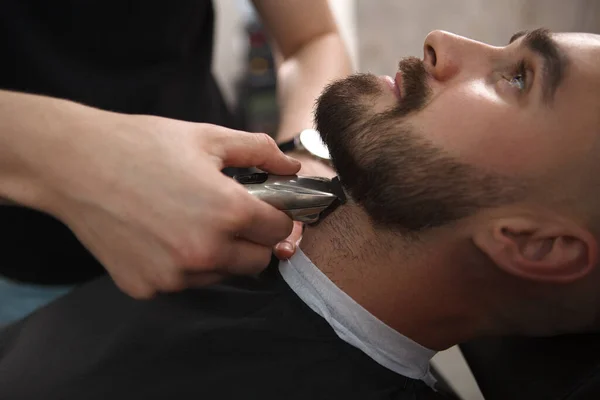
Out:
{"x": 539, "y": 249}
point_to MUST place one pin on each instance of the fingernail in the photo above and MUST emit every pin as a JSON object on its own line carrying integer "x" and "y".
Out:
{"x": 287, "y": 246}
{"x": 298, "y": 242}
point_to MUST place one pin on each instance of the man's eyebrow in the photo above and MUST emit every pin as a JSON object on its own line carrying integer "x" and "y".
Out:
{"x": 555, "y": 61}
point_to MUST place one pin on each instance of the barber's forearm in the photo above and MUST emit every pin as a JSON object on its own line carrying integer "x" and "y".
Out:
{"x": 32, "y": 128}
{"x": 303, "y": 76}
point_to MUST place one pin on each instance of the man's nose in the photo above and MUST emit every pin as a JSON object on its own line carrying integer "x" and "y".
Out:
{"x": 446, "y": 55}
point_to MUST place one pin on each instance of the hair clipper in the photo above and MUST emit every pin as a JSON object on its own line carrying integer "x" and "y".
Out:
{"x": 303, "y": 198}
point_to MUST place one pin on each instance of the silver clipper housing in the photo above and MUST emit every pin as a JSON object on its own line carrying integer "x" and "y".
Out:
{"x": 303, "y": 198}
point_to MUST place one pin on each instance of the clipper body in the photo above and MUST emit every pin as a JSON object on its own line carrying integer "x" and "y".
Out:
{"x": 302, "y": 198}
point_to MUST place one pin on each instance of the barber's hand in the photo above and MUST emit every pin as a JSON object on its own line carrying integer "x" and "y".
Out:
{"x": 147, "y": 197}
{"x": 310, "y": 167}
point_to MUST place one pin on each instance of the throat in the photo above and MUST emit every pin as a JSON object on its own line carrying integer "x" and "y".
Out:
{"x": 389, "y": 279}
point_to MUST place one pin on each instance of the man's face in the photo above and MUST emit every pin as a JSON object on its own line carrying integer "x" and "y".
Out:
{"x": 472, "y": 126}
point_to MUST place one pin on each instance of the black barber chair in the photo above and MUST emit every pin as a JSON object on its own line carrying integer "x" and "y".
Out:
{"x": 558, "y": 368}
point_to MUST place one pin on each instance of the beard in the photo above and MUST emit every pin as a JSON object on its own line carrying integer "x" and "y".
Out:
{"x": 400, "y": 179}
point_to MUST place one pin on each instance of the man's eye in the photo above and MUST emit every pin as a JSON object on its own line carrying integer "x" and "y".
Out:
{"x": 519, "y": 76}
{"x": 519, "y": 82}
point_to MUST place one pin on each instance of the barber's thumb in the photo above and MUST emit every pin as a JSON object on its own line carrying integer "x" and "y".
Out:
{"x": 256, "y": 150}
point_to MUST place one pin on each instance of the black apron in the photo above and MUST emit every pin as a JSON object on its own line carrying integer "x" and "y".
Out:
{"x": 249, "y": 338}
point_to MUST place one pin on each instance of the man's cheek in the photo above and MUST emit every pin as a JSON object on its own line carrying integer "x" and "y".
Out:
{"x": 474, "y": 129}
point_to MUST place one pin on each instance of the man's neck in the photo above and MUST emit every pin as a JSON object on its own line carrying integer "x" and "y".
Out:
{"x": 390, "y": 279}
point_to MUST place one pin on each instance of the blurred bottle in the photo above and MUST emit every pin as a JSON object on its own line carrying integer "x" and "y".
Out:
{"x": 257, "y": 89}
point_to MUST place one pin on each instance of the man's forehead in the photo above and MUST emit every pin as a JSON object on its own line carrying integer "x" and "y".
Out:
{"x": 582, "y": 55}
{"x": 583, "y": 37}
{"x": 583, "y": 49}
{"x": 578, "y": 98}
{"x": 579, "y": 44}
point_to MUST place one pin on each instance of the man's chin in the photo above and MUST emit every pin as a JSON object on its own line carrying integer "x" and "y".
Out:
{"x": 343, "y": 106}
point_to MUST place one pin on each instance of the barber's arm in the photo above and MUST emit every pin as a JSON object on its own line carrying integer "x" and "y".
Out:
{"x": 144, "y": 194}
{"x": 310, "y": 53}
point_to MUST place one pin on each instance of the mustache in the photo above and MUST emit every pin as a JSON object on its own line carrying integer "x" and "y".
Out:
{"x": 415, "y": 87}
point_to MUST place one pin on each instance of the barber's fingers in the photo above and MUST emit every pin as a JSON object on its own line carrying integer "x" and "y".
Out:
{"x": 239, "y": 257}
{"x": 246, "y": 258}
{"x": 193, "y": 280}
{"x": 244, "y": 149}
{"x": 266, "y": 225}
{"x": 287, "y": 248}
{"x": 255, "y": 220}
{"x": 133, "y": 284}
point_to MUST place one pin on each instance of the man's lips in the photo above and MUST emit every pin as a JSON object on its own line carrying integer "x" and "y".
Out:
{"x": 395, "y": 84}
{"x": 398, "y": 83}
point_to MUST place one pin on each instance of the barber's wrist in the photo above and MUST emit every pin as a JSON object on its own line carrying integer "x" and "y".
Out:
{"x": 307, "y": 144}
